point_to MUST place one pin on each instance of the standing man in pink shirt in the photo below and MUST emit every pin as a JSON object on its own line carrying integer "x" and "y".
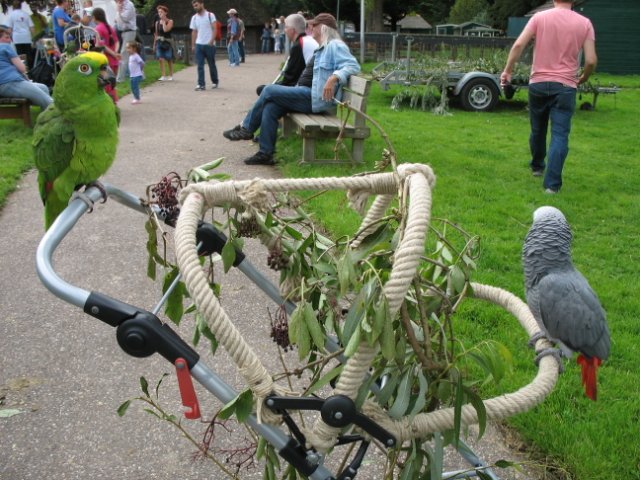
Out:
{"x": 560, "y": 34}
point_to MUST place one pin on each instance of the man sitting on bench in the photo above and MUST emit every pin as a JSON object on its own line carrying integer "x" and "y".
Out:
{"x": 13, "y": 76}
{"x": 320, "y": 82}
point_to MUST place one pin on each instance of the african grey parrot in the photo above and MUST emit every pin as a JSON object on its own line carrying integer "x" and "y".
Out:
{"x": 560, "y": 298}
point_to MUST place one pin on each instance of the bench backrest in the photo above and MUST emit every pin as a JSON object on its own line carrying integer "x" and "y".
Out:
{"x": 356, "y": 93}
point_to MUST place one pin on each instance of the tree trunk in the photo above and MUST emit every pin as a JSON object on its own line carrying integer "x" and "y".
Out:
{"x": 374, "y": 17}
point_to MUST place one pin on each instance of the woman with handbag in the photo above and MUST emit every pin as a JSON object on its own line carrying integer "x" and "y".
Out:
{"x": 162, "y": 42}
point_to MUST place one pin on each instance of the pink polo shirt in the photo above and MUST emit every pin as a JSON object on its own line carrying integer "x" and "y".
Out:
{"x": 559, "y": 35}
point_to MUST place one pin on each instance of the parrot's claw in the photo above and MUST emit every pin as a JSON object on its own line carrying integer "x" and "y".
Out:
{"x": 84, "y": 198}
{"x": 535, "y": 337}
{"x": 100, "y": 187}
{"x": 555, "y": 353}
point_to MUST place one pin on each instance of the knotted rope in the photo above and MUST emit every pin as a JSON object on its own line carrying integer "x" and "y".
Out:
{"x": 414, "y": 183}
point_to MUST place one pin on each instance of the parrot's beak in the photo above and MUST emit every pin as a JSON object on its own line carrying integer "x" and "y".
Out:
{"x": 106, "y": 77}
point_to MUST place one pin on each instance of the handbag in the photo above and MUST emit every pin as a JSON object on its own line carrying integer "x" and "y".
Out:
{"x": 164, "y": 44}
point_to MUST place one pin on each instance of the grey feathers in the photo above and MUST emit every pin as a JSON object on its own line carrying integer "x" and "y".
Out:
{"x": 560, "y": 298}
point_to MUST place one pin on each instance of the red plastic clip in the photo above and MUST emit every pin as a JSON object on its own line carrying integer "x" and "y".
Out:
{"x": 187, "y": 392}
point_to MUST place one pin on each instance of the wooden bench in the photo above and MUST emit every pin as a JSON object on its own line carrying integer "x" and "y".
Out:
{"x": 16, "y": 108}
{"x": 312, "y": 127}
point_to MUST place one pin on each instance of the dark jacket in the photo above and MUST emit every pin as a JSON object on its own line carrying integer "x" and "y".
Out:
{"x": 295, "y": 64}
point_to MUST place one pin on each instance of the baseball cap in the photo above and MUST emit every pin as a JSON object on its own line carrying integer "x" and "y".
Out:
{"x": 325, "y": 19}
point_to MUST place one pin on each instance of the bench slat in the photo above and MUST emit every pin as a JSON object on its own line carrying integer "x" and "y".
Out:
{"x": 327, "y": 125}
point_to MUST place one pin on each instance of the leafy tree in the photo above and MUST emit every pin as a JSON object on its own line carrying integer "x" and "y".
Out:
{"x": 434, "y": 11}
{"x": 467, "y": 10}
{"x": 501, "y": 10}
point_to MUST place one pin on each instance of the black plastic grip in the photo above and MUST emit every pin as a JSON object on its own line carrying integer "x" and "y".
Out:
{"x": 109, "y": 310}
{"x": 213, "y": 240}
{"x": 145, "y": 335}
{"x": 140, "y": 333}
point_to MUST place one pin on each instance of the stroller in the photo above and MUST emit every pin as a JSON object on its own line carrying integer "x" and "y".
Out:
{"x": 45, "y": 66}
{"x": 352, "y": 413}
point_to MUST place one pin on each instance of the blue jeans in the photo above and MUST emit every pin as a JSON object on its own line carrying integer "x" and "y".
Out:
{"x": 234, "y": 52}
{"x": 207, "y": 52}
{"x": 36, "y": 93}
{"x": 135, "y": 87}
{"x": 265, "y": 45}
{"x": 555, "y": 102}
{"x": 274, "y": 102}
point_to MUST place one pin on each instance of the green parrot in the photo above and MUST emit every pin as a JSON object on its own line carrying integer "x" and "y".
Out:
{"x": 76, "y": 137}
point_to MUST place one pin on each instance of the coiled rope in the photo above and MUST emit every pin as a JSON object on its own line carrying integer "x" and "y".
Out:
{"x": 414, "y": 183}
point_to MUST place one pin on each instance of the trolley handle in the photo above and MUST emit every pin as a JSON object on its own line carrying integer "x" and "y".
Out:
{"x": 140, "y": 333}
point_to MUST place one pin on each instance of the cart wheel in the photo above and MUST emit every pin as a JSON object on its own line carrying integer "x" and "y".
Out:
{"x": 480, "y": 95}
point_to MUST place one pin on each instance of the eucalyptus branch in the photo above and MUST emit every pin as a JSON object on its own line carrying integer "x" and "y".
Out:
{"x": 171, "y": 419}
{"x": 299, "y": 371}
{"x": 381, "y": 131}
{"x": 423, "y": 320}
{"x": 411, "y": 336}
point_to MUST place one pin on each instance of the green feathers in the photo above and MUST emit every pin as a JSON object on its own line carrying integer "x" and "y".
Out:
{"x": 75, "y": 139}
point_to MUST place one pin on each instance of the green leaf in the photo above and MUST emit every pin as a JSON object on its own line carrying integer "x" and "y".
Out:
{"x": 157, "y": 389}
{"x": 325, "y": 379}
{"x": 389, "y": 387}
{"x": 261, "y": 448}
{"x": 303, "y": 339}
{"x": 213, "y": 164}
{"x": 241, "y": 405}
{"x": 203, "y": 328}
{"x": 311, "y": 320}
{"x": 354, "y": 342}
{"x": 507, "y": 464}
{"x": 355, "y": 314}
{"x": 388, "y": 340}
{"x": 296, "y": 317}
{"x": 457, "y": 278}
{"x": 228, "y": 255}
{"x": 244, "y": 405}
{"x": 408, "y": 470}
{"x": 9, "y": 412}
{"x": 197, "y": 174}
{"x": 296, "y": 235}
{"x": 421, "y": 398}
{"x": 122, "y": 409}
{"x": 174, "y": 308}
{"x": 481, "y": 410}
{"x": 457, "y": 410}
{"x": 403, "y": 396}
{"x": 144, "y": 385}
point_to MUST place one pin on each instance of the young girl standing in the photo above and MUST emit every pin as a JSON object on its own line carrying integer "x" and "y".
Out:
{"x": 109, "y": 44}
{"x": 136, "y": 67}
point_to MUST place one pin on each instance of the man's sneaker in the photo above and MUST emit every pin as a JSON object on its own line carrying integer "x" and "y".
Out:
{"x": 135, "y": 101}
{"x": 550, "y": 191}
{"x": 169, "y": 79}
{"x": 537, "y": 173}
{"x": 199, "y": 88}
{"x": 260, "y": 158}
{"x": 162, "y": 79}
{"x": 238, "y": 134}
{"x": 214, "y": 86}
{"x": 226, "y": 133}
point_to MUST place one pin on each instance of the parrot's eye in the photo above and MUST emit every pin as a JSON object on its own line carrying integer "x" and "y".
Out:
{"x": 84, "y": 69}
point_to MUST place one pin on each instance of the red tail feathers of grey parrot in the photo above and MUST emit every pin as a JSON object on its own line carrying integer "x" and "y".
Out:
{"x": 589, "y": 367}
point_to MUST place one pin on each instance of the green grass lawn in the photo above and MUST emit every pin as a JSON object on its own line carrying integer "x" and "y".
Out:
{"x": 16, "y": 156}
{"x": 484, "y": 184}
